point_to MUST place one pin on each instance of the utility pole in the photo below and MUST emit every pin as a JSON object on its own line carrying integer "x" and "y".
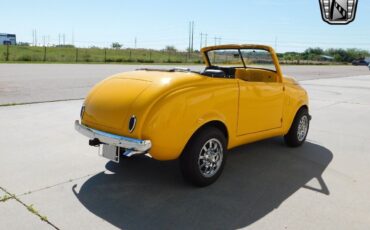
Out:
{"x": 217, "y": 39}
{"x": 276, "y": 43}
{"x": 135, "y": 42}
{"x": 192, "y": 36}
{"x": 59, "y": 39}
{"x": 201, "y": 41}
{"x": 64, "y": 39}
{"x": 189, "y": 38}
{"x": 189, "y": 48}
{"x": 73, "y": 37}
{"x": 35, "y": 37}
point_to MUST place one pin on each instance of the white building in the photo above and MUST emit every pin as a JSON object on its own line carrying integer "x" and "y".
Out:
{"x": 8, "y": 39}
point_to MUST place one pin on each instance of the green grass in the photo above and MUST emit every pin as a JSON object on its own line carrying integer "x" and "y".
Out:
{"x": 30, "y": 54}
{"x": 5, "y": 198}
{"x": 93, "y": 55}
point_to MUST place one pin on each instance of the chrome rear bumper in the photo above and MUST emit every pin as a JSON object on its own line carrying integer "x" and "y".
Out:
{"x": 112, "y": 139}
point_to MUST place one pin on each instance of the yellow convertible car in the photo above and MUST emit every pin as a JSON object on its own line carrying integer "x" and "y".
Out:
{"x": 240, "y": 97}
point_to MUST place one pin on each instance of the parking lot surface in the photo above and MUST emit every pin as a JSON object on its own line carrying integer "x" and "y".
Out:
{"x": 25, "y": 83}
{"x": 325, "y": 184}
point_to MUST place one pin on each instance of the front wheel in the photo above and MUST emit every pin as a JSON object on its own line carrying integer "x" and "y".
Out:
{"x": 204, "y": 157}
{"x": 298, "y": 131}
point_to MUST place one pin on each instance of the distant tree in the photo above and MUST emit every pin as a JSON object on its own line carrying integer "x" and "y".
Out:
{"x": 317, "y": 51}
{"x": 340, "y": 55}
{"x": 116, "y": 45}
{"x": 23, "y": 44}
{"x": 291, "y": 56}
{"x": 170, "y": 49}
{"x": 312, "y": 53}
{"x": 65, "y": 46}
{"x": 347, "y": 55}
{"x": 357, "y": 54}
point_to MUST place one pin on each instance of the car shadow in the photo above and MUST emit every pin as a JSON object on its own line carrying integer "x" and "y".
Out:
{"x": 142, "y": 193}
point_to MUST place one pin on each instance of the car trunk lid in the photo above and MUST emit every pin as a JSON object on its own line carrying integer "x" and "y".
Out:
{"x": 107, "y": 107}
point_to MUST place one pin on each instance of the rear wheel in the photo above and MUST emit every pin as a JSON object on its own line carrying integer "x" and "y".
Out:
{"x": 204, "y": 157}
{"x": 298, "y": 131}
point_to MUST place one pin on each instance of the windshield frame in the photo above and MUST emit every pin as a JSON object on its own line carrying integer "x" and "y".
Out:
{"x": 242, "y": 58}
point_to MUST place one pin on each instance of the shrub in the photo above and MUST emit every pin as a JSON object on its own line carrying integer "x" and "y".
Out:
{"x": 24, "y": 57}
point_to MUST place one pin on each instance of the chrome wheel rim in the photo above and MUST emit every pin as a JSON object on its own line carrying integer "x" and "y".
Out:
{"x": 210, "y": 158}
{"x": 302, "y": 128}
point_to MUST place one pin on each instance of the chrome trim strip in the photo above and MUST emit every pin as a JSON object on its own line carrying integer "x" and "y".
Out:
{"x": 113, "y": 139}
{"x": 130, "y": 153}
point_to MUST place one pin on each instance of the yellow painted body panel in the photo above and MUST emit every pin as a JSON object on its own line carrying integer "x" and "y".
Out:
{"x": 262, "y": 102}
{"x": 171, "y": 106}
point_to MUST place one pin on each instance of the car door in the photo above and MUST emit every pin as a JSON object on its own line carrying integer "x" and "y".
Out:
{"x": 260, "y": 106}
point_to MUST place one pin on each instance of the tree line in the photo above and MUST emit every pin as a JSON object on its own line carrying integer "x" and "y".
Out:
{"x": 319, "y": 54}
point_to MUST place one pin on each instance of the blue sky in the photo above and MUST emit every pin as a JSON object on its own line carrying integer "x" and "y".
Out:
{"x": 294, "y": 24}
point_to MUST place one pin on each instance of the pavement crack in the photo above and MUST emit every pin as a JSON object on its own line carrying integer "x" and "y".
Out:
{"x": 39, "y": 102}
{"x": 30, "y": 208}
{"x": 54, "y": 185}
{"x": 6, "y": 196}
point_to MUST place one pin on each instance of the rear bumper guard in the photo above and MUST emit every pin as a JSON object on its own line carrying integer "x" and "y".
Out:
{"x": 99, "y": 137}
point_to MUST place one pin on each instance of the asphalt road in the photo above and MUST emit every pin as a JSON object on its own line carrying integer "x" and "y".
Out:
{"x": 324, "y": 184}
{"x": 24, "y": 83}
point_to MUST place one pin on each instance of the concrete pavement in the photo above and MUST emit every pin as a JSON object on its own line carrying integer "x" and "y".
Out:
{"x": 15, "y": 216}
{"x": 24, "y": 83}
{"x": 325, "y": 184}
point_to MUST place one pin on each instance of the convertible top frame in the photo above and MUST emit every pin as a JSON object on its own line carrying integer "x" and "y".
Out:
{"x": 275, "y": 59}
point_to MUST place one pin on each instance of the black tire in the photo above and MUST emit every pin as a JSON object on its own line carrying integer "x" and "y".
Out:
{"x": 292, "y": 138}
{"x": 194, "y": 155}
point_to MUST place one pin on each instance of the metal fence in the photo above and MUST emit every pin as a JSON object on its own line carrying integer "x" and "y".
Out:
{"x": 70, "y": 54}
